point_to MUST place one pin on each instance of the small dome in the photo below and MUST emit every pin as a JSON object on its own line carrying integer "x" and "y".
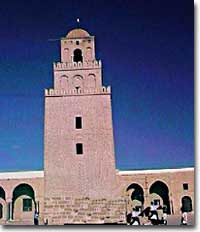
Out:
{"x": 77, "y": 33}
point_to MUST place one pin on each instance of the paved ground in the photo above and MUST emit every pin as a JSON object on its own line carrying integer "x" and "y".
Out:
{"x": 176, "y": 219}
{"x": 173, "y": 220}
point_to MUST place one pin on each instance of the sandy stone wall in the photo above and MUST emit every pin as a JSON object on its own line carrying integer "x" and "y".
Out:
{"x": 66, "y": 210}
{"x": 91, "y": 174}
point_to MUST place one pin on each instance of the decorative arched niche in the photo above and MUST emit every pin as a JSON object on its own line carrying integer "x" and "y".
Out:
{"x": 63, "y": 82}
{"x": 91, "y": 81}
{"x": 89, "y": 53}
{"x": 78, "y": 82}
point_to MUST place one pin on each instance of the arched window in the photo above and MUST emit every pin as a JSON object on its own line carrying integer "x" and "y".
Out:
{"x": 78, "y": 55}
{"x": 186, "y": 204}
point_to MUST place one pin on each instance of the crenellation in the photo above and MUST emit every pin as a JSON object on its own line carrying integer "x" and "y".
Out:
{"x": 109, "y": 89}
{"x": 72, "y": 92}
{"x": 60, "y": 66}
{"x": 46, "y": 92}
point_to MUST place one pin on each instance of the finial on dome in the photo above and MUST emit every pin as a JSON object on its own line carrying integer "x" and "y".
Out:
{"x": 78, "y": 22}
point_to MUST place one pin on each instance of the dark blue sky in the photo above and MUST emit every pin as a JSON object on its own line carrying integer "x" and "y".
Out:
{"x": 147, "y": 52}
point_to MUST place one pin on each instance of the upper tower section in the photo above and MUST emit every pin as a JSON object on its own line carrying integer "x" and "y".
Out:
{"x": 77, "y": 46}
{"x": 78, "y": 71}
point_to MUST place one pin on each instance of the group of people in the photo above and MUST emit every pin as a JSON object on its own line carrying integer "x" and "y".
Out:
{"x": 155, "y": 215}
{"x": 158, "y": 214}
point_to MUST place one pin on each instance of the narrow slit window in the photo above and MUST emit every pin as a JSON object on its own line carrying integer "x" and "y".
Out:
{"x": 79, "y": 148}
{"x": 78, "y": 122}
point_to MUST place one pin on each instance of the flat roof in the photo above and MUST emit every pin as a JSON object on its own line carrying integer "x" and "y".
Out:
{"x": 154, "y": 171}
{"x": 21, "y": 175}
{"x": 40, "y": 174}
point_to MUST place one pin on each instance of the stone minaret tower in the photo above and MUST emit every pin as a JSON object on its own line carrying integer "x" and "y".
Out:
{"x": 78, "y": 140}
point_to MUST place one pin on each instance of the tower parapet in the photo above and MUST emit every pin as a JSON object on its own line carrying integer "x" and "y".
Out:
{"x": 73, "y": 92}
{"x": 77, "y": 65}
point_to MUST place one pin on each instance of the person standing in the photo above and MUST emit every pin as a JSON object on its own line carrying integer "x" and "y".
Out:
{"x": 36, "y": 218}
{"x": 135, "y": 219}
{"x": 154, "y": 214}
{"x": 165, "y": 215}
{"x": 184, "y": 220}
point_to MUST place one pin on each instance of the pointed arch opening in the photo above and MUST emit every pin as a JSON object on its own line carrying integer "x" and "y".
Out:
{"x": 136, "y": 195}
{"x": 160, "y": 189}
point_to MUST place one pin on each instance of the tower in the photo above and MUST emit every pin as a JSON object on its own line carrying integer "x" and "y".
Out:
{"x": 78, "y": 139}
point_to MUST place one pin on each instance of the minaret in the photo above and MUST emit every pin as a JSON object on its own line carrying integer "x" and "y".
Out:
{"x": 78, "y": 139}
